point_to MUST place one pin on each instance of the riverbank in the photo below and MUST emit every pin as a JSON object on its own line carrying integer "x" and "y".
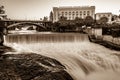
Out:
{"x": 30, "y": 66}
{"x": 104, "y": 42}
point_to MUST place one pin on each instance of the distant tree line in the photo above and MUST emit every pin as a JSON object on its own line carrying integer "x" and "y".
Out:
{"x": 64, "y": 25}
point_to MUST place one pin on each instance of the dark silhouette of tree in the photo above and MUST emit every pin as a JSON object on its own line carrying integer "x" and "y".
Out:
{"x": 62, "y": 18}
{"x": 114, "y": 17}
{"x": 2, "y": 11}
{"x": 51, "y": 16}
{"x": 103, "y": 20}
{"x": 45, "y": 18}
{"x": 79, "y": 22}
{"x": 89, "y": 21}
{"x": 55, "y": 26}
{"x": 41, "y": 19}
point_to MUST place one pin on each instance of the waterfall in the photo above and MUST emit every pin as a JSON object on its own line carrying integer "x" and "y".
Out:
{"x": 83, "y": 60}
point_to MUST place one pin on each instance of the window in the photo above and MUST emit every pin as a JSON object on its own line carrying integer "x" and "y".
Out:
{"x": 65, "y": 13}
{"x": 62, "y": 13}
{"x": 88, "y": 12}
{"x": 84, "y": 12}
{"x": 76, "y": 12}
{"x": 69, "y": 13}
{"x": 77, "y": 15}
{"x": 80, "y": 12}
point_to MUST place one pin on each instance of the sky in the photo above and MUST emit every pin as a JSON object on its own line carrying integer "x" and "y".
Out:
{"x": 36, "y": 9}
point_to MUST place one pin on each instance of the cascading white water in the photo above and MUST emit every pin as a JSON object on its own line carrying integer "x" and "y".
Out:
{"x": 84, "y": 60}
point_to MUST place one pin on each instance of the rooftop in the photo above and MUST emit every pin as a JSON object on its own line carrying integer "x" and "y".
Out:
{"x": 72, "y": 7}
{"x": 75, "y": 6}
{"x": 104, "y": 13}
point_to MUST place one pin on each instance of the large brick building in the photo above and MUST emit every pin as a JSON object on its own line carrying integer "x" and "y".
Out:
{"x": 72, "y": 12}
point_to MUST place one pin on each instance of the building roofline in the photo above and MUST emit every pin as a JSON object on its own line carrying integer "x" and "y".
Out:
{"x": 104, "y": 13}
{"x": 62, "y": 7}
{"x": 74, "y": 6}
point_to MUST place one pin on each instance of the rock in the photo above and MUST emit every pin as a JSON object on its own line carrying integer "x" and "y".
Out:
{"x": 7, "y": 71}
{"x": 4, "y": 49}
{"x": 31, "y": 66}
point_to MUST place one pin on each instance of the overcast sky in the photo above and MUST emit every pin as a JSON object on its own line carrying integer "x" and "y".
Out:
{"x": 36, "y": 9}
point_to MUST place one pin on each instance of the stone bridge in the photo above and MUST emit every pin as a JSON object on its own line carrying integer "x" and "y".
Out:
{"x": 41, "y": 25}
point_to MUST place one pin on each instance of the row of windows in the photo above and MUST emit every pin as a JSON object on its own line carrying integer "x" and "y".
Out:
{"x": 73, "y": 17}
{"x": 76, "y": 12}
{"x": 88, "y": 14}
{"x": 70, "y": 17}
{"x": 104, "y": 15}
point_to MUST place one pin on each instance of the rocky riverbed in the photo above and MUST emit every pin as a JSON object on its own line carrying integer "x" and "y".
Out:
{"x": 30, "y": 66}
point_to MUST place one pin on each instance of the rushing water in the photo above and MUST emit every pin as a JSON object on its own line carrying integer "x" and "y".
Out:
{"x": 84, "y": 60}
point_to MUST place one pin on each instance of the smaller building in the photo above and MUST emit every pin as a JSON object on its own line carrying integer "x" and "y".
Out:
{"x": 107, "y": 15}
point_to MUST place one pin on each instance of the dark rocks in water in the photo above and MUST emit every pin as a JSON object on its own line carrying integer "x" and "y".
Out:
{"x": 4, "y": 49}
{"x": 30, "y": 66}
{"x": 62, "y": 75}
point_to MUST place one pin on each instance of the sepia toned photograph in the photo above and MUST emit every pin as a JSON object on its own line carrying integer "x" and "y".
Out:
{"x": 59, "y": 40}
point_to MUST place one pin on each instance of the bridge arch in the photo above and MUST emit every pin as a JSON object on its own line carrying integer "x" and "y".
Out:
{"x": 39, "y": 26}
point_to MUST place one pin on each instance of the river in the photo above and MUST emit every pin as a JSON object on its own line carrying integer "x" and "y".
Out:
{"x": 83, "y": 60}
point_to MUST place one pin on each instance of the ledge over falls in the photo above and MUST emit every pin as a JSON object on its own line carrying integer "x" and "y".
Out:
{"x": 30, "y": 66}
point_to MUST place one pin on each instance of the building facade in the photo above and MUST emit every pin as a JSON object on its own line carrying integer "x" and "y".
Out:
{"x": 72, "y": 12}
{"x": 107, "y": 15}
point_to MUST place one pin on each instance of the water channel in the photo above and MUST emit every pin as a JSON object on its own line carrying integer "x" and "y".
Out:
{"x": 83, "y": 60}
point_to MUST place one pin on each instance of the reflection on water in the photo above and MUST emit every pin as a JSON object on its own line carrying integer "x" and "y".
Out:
{"x": 83, "y": 60}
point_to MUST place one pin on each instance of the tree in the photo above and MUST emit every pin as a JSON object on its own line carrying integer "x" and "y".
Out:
{"x": 103, "y": 20}
{"x": 41, "y": 19}
{"x": 89, "y": 21}
{"x": 114, "y": 17}
{"x": 62, "y": 18}
{"x": 56, "y": 26}
{"x": 2, "y": 11}
{"x": 45, "y": 18}
{"x": 51, "y": 16}
{"x": 79, "y": 22}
